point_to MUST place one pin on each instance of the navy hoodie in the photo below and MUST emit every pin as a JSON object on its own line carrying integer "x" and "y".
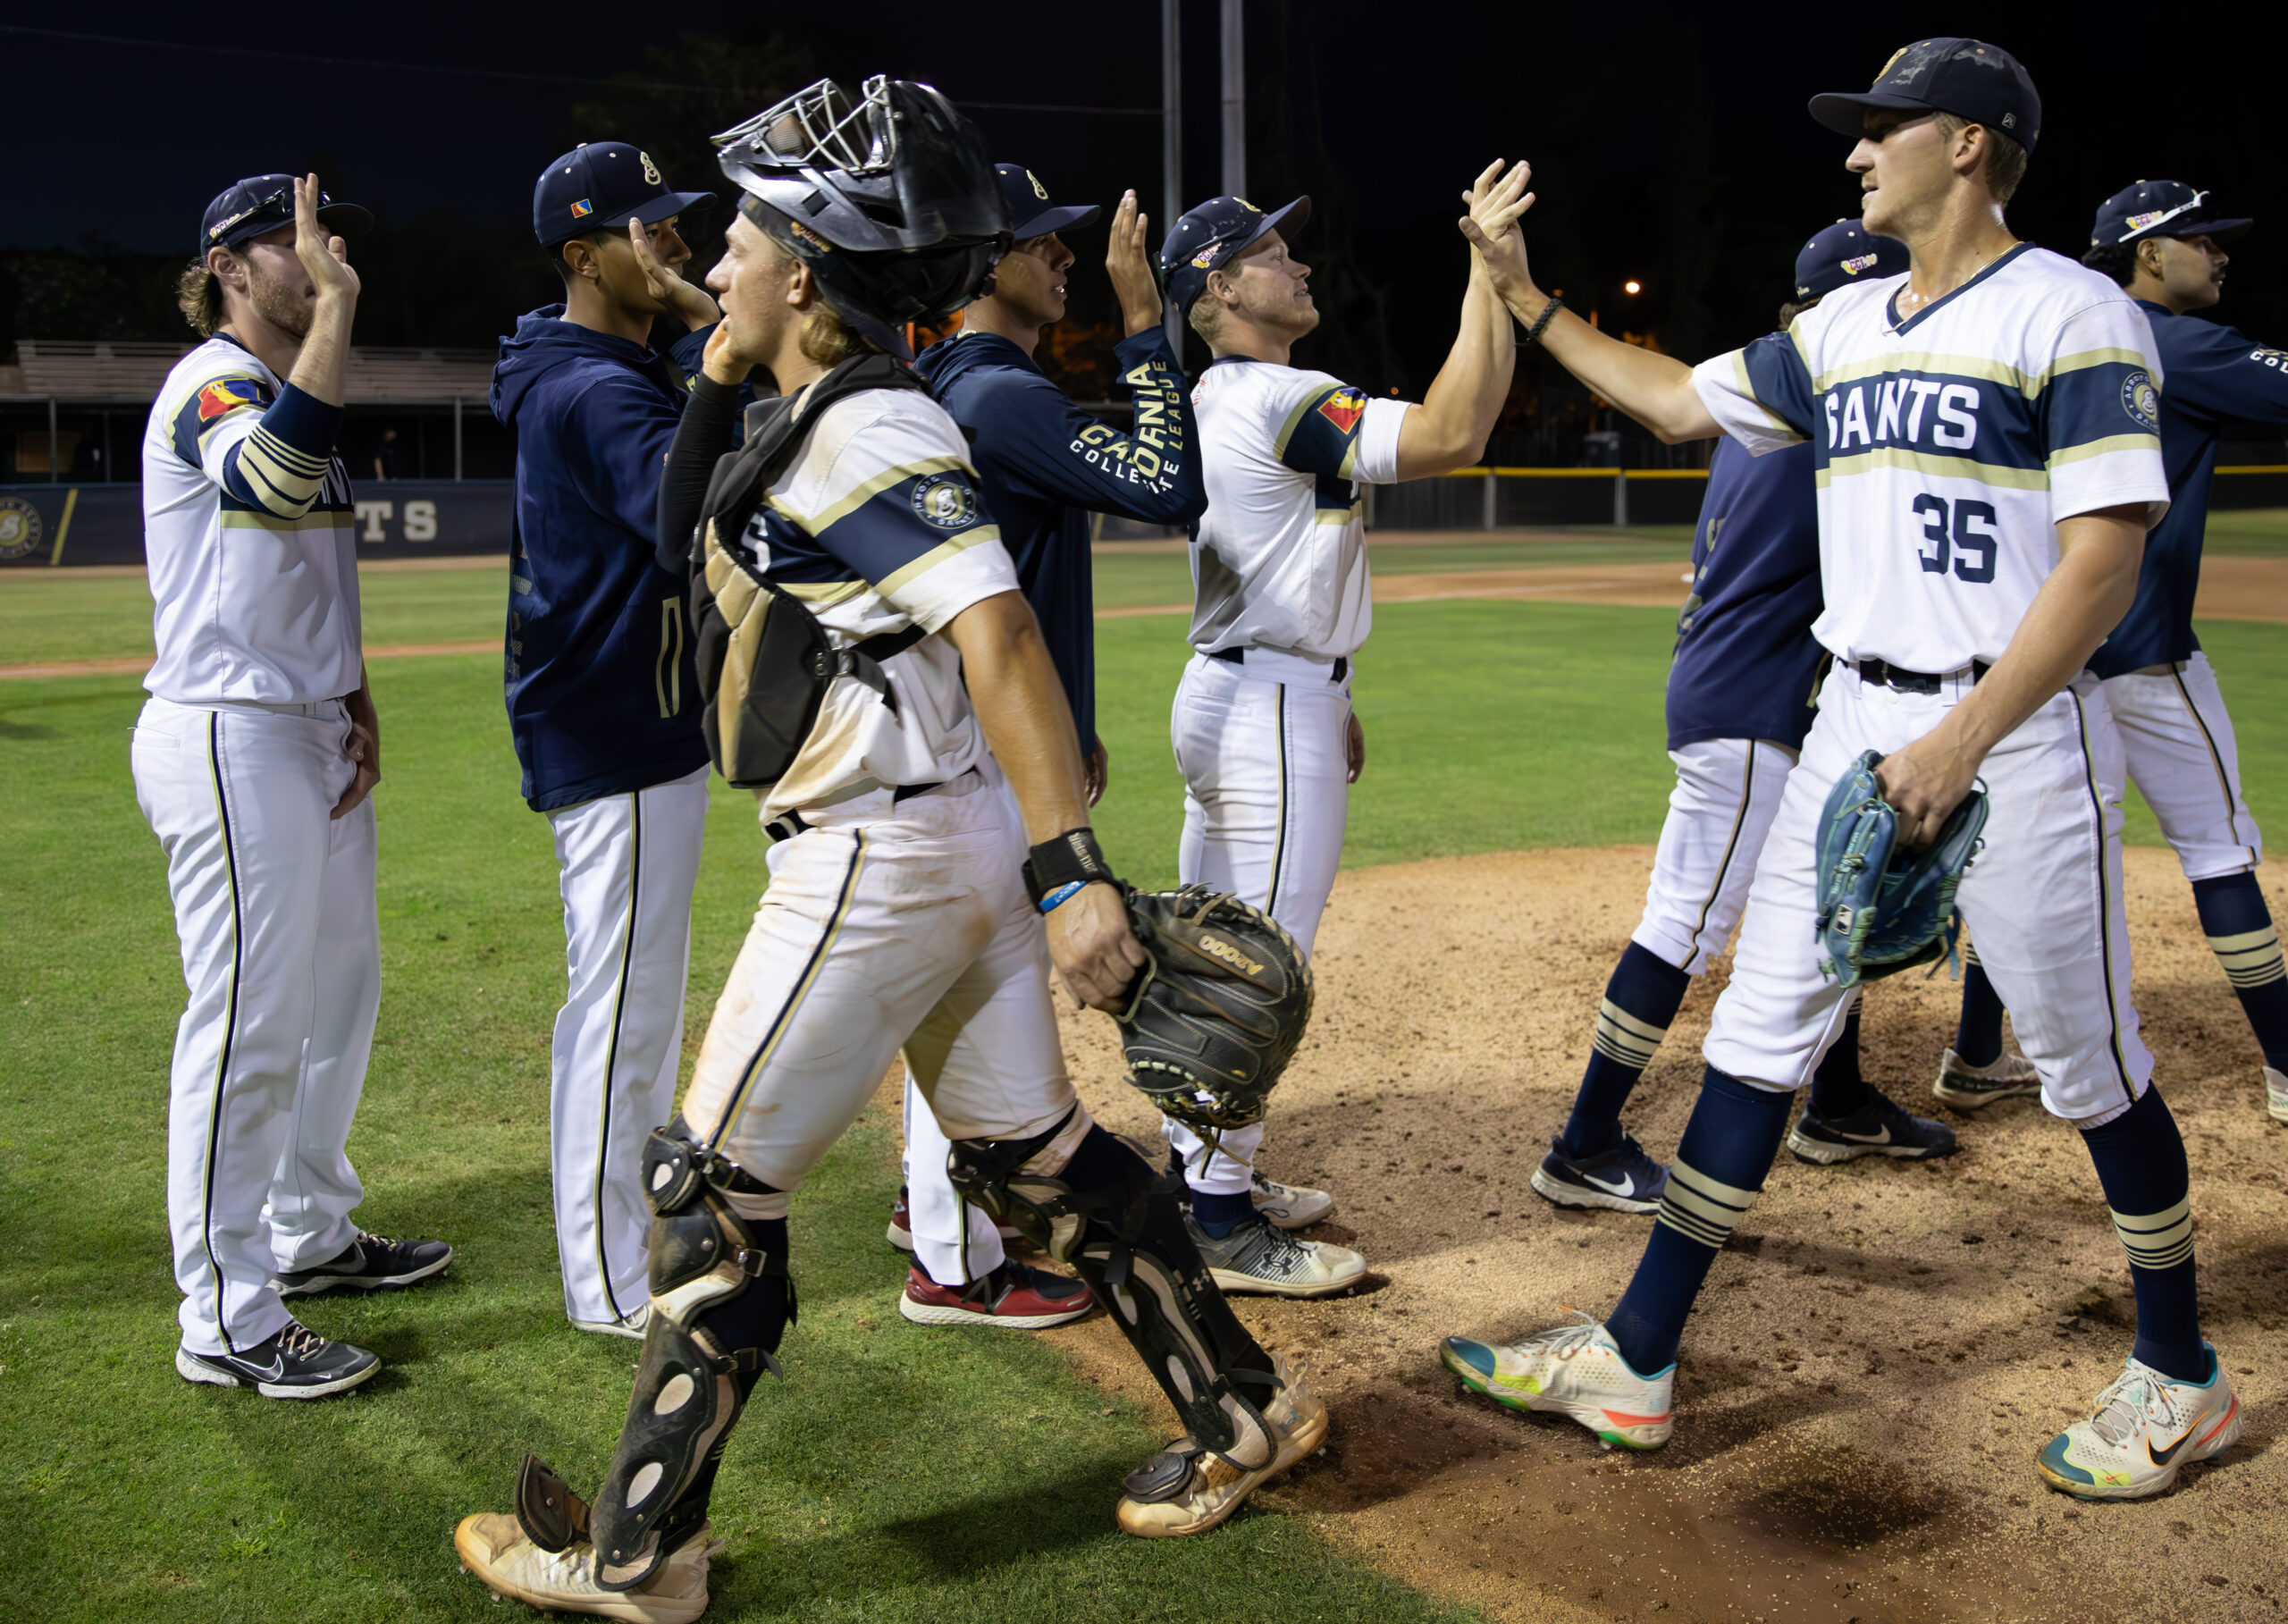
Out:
{"x": 1043, "y": 466}
{"x": 602, "y": 695}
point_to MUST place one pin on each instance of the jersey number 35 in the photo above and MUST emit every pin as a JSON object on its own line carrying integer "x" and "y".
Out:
{"x": 1970, "y": 541}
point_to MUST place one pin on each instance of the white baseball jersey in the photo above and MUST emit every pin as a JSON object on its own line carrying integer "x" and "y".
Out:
{"x": 1950, "y": 445}
{"x": 1279, "y": 560}
{"x": 248, "y": 528}
{"x": 877, "y": 527}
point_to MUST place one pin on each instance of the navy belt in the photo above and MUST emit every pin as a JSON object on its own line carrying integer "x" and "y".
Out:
{"x": 1904, "y": 681}
{"x": 1239, "y": 657}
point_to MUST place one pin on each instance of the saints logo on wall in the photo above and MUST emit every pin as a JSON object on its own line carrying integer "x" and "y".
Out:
{"x": 20, "y": 527}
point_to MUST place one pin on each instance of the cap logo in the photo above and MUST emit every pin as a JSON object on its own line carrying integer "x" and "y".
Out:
{"x": 582, "y": 208}
{"x": 651, "y": 170}
{"x": 2009, "y": 121}
{"x": 1244, "y": 204}
{"x": 1205, "y": 260}
{"x": 1851, "y": 267}
{"x": 806, "y": 237}
{"x": 1888, "y": 62}
{"x": 1040, "y": 190}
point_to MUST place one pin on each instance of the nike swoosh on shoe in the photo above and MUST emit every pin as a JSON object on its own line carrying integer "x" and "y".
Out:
{"x": 1882, "y": 1138}
{"x": 1627, "y": 1187}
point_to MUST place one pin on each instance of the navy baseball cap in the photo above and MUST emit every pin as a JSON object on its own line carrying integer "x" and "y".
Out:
{"x": 1212, "y": 235}
{"x": 597, "y": 186}
{"x": 2161, "y": 208}
{"x": 1968, "y": 78}
{"x": 261, "y": 204}
{"x": 1032, "y": 213}
{"x": 1843, "y": 253}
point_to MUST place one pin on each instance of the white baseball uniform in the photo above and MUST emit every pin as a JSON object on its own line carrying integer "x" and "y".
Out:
{"x": 628, "y": 863}
{"x": 1282, "y": 602}
{"x": 2185, "y": 761}
{"x": 1950, "y": 445}
{"x": 239, "y": 761}
{"x": 897, "y": 918}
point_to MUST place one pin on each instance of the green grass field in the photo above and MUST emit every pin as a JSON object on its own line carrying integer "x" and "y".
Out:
{"x": 899, "y": 1474}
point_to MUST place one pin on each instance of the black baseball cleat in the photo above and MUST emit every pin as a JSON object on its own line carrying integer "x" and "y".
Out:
{"x": 1877, "y": 1128}
{"x": 369, "y": 1263}
{"x": 296, "y": 1363}
{"x": 1623, "y": 1179}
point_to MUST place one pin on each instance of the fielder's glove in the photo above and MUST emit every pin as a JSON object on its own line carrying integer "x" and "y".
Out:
{"x": 1880, "y": 910}
{"x": 1217, "y": 1010}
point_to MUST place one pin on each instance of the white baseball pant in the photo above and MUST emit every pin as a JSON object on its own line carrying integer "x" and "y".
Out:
{"x": 1727, "y": 791}
{"x": 2183, "y": 760}
{"x": 1263, "y": 747}
{"x": 954, "y": 1241}
{"x": 273, "y": 901}
{"x": 2044, "y": 900}
{"x": 627, "y": 863}
{"x": 887, "y": 927}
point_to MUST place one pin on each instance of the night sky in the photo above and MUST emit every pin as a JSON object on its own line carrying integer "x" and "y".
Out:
{"x": 1671, "y": 144}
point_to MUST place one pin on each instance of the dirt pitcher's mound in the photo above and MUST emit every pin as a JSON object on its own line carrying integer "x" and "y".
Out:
{"x": 1875, "y": 1362}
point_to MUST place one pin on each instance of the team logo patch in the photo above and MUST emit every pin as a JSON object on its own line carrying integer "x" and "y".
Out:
{"x": 1040, "y": 190}
{"x": 1851, "y": 267}
{"x": 227, "y": 395}
{"x": 1343, "y": 409}
{"x": 2142, "y": 401}
{"x": 1205, "y": 260}
{"x": 808, "y": 239}
{"x": 2137, "y": 223}
{"x": 582, "y": 208}
{"x": 945, "y": 501}
{"x": 20, "y": 527}
{"x": 651, "y": 170}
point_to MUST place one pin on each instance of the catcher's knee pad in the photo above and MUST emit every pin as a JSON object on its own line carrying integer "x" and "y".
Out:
{"x": 1105, "y": 1212}
{"x": 720, "y": 1301}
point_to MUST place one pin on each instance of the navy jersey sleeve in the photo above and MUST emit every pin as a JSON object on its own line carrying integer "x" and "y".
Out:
{"x": 2225, "y": 372}
{"x": 270, "y": 454}
{"x": 621, "y": 428}
{"x": 1762, "y": 394}
{"x": 1028, "y": 430}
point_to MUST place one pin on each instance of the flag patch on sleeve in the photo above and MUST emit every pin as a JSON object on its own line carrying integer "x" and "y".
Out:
{"x": 227, "y": 395}
{"x": 1344, "y": 408}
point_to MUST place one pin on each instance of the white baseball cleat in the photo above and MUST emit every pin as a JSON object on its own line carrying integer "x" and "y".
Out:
{"x": 494, "y": 1548}
{"x": 1574, "y": 1371}
{"x": 1289, "y": 1206}
{"x": 1185, "y": 1489}
{"x": 2147, "y": 1426}
{"x": 1967, "y": 1087}
{"x": 1259, "y": 1259}
{"x": 2275, "y": 1094}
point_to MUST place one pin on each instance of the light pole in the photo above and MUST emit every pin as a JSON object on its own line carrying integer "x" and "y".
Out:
{"x": 1235, "y": 101}
{"x": 1172, "y": 140}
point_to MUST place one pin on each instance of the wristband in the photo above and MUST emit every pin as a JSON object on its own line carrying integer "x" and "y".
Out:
{"x": 1548, "y": 313}
{"x": 1057, "y": 869}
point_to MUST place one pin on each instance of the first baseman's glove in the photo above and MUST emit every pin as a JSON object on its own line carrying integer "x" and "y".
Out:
{"x": 1881, "y": 910}
{"x": 1217, "y": 1010}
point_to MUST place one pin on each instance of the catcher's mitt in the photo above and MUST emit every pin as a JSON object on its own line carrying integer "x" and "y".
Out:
{"x": 1217, "y": 1010}
{"x": 1880, "y": 910}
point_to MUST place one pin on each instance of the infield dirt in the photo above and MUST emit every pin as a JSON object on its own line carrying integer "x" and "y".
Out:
{"x": 1876, "y": 1359}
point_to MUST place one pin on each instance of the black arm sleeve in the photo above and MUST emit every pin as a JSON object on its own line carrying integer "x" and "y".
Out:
{"x": 705, "y": 434}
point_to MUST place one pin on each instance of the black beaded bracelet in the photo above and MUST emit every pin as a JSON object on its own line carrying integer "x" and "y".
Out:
{"x": 1057, "y": 869}
{"x": 1548, "y": 313}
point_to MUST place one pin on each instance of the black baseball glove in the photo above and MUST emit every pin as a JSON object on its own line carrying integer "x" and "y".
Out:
{"x": 1882, "y": 910}
{"x": 1217, "y": 1010}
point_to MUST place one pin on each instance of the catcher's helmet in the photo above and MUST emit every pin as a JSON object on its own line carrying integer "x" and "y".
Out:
{"x": 890, "y": 200}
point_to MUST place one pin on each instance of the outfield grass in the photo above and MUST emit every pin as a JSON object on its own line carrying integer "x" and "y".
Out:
{"x": 899, "y": 1474}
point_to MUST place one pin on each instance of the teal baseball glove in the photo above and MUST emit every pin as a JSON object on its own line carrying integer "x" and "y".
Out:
{"x": 1882, "y": 910}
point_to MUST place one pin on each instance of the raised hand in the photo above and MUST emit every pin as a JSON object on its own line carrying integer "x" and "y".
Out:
{"x": 694, "y": 305}
{"x": 1128, "y": 261}
{"x": 1495, "y": 204}
{"x": 325, "y": 258}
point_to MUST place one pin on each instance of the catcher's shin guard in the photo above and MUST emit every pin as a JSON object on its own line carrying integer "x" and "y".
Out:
{"x": 1105, "y": 1212}
{"x": 720, "y": 1300}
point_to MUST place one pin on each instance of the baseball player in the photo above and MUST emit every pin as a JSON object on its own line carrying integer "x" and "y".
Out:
{"x": 904, "y": 910}
{"x": 1989, "y": 459}
{"x": 1741, "y": 688}
{"x": 603, "y": 695}
{"x": 253, "y": 761}
{"x": 2162, "y": 242}
{"x": 1262, "y": 723}
{"x": 1043, "y": 467}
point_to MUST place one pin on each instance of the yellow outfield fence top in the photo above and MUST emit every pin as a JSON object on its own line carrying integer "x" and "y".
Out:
{"x": 1480, "y": 473}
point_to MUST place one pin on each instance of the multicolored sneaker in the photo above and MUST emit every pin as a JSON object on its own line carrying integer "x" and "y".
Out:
{"x": 2275, "y": 1094}
{"x": 1623, "y": 1179}
{"x": 2146, "y": 1427}
{"x": 1967, "y": 1087}
{"x": 1289, "y": 1206}
{"x": 1877, "y": 1128}
{"x": 1185, "y": 1489}
{"x": 1015, "y": 1297}
{"x": 367, "y": 1264}
{"x": 1575, "y": 1370}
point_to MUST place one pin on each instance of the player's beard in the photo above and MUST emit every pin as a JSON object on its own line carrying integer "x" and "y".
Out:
{"x": 285, "y": 308}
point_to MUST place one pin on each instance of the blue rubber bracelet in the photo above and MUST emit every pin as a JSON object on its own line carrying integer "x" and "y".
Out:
{"x": 1062, "y": 893}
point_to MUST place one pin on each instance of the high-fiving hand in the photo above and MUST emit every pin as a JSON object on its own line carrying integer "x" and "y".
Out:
{"x": 1495, "y": 204}
{"x": 325, "y": 258}
{"x": 693, "y": 306}
{"x": 1128, "y": 261}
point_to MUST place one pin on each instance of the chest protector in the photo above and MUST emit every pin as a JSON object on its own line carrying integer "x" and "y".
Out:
{"x": 765, "y": 662}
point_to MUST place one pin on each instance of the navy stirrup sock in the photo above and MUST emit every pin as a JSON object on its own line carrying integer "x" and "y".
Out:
{"x": 1719, "y": 1168}
{"x": 1218, "y": 1215}
{"x": 1838, "y": 1087}
{"x": 1978, "y": 1039}
{"x": 2240, "y": 930}
{"x": 2140, "y": 1162}
{"x": 1641, "y": 1002}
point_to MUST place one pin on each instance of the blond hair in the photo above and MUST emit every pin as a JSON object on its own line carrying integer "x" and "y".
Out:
{"x": 199, "y": 295}
{"x": 827, "y": 340}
